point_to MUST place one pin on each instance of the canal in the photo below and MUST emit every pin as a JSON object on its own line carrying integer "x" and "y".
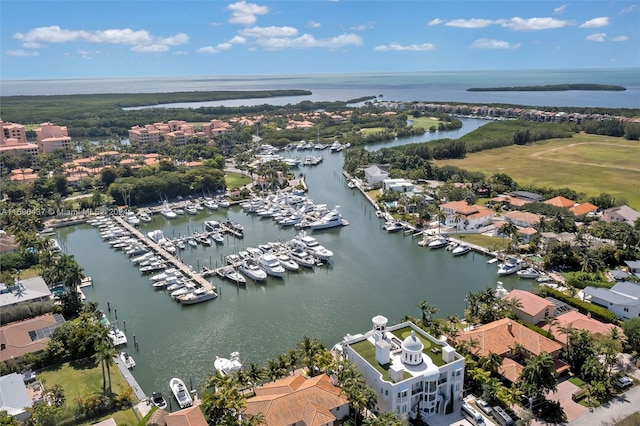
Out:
{"x": 372, "y": 272}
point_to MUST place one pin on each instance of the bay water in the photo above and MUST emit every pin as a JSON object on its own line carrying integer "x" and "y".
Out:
{"x": 372, "y": 272}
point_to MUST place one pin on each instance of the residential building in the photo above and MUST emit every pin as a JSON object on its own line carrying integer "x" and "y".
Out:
{"x": 13, "y": 132}
{"x": 560, "y": 201}
{"x": 508, "y": 202}
{"x": 374, "y": 174}
{"x": 634, "y": 266}
{"x": 522, "y": 219}
{"x": 620, "y": 214}
{"x": 297, "y": 400}
{"x": 14, "y": 398}
{"x": 525, "y": 196}
{"x": 531, "y": 308}
{"x": 413, "y": 373}
{"x": 515, "y": 343}
{"x": 623, "y": 299}
{"x": 578, "y": 321}
{"x": 147, "y": 137}
{"x": 527, "y": 234}
{"x": 27, "y": 336}
{"x": 582, "y": 210}
{"x": 52, "y": 137}
{"x": 217, "y": 127}
{"x": 191, "y": 416}
{"x": 14, "y": 143}
{"x": 25, "y": 291}
{"x": 398, "y": 185}
{"x": 465, "y": 217}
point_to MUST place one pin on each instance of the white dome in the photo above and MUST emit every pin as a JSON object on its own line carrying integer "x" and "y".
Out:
{"x": 412, "y": 343}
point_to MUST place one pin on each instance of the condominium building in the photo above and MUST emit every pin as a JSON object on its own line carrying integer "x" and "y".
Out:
{"x": 14, "y": 143}
{"x": 413, "y": 373}
{"x": 52, "y": 137}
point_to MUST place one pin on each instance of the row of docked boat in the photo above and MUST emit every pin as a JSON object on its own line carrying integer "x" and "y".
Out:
{"x": 442, "y": 241}
{"x": 171, "y": 211}
{"x": 295, "y": 210}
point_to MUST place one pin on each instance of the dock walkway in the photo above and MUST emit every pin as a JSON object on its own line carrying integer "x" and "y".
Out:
{"x": 190, "y": 273}
{"x": 128, "y": 376}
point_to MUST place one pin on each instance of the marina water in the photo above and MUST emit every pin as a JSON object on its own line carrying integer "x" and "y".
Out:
{"x": 372, "y": 272}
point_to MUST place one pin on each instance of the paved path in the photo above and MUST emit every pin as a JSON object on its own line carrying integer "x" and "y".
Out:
{"x": 128, "y": 376}
{"x": 620, "y": 407}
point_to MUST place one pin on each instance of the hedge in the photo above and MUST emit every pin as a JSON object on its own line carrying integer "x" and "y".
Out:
{"x": 596, "y": 312}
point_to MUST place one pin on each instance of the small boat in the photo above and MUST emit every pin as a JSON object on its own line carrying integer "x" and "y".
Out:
{"x": 158, "y": 400}
{"x": 178, "y": 211}
{"x": 192, "y": 242}
{"x": 168, "y": 213}
{"x": 452, "y": 245}
{"x": 249, "y": 268}
{"x": 180, "y": 392}
{"x": 493, "y": 260}
{"x": 393, "y": 226}
{"x": 211, "y": 205}
{"x": 145, "y": 217}
{"x": 217, "y": 238}
{"x": 181, "y": 245}
{"x": 117, "y": 336}
{"x": 128, "y": 360}
{"x": 302, "y": 258}
{"x": 191, "y": 210}
{"x": 461, "y": 249}
{"x": 234, "y": 276}
{"x": 528, "y": 273}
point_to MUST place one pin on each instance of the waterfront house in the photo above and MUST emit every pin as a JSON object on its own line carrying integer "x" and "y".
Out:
{"x": 14, "y": 398}
{"x": 297, "y": 400}
{"x": 531, "y": 308}
{"x": 620, "y": 214}
{"x": 522, "y": 219}
{"x": 515, "y": 343}
{"x": 23, "y": 292}
{"x": 27, "y": 336}
{"x": 579, "y": 321}
{"x": 508, "y": 202}
{"x": 462, "y": 216}
{"x": 413, "y": 373}
{"x": 191, "y": 416}
{"x": 560, "y": 201}
{"x": 374, "y": 174}
{"x": 398, "y": 185}
{"x": 623, "y": 299}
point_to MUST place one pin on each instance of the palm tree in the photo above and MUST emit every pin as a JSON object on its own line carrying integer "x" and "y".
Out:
{"x": 105, "y": 352}
{"x": 256, "y": 375}
{"x": 491, "y": 362}
{"x": 427, "y": 310}
{"x": 293, "y": 358}
{"x": 538, "y": 376}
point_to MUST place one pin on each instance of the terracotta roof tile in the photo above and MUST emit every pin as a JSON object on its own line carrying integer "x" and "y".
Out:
{"x": 582, "y": 209}
{"x": 580, "y": 322}
{"x": 560, "y": 201}
{"x": 531, "y": 303}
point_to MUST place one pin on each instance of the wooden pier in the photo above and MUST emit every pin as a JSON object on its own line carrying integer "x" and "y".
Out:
{"x": 187, "y": 271}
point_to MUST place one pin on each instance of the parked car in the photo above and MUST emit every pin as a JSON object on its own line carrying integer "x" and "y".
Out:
{"x": 484, "y": 407}
{"x": 623, "y": 382}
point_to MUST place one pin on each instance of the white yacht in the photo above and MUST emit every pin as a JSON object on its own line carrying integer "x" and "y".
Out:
{"x": 510, "y": 266}
{"x": 227, "y": 366}
{"x": 529, "y": 273}
{"x": 158, "y": 400}
{"x": 461, "y": 249}
{"x": 302, "y": 258}
{"x": 329, "y": 220}
{"x": 230, "y": 273}
{"x": 211, "y": 205}
{"x": 288, "y": 263}
{"x": 439, "y": 242}
{"x": 145, "y": 217}
{"x": 168, "y": 213}
{"x": 180, "y": 392}
{"x": 132, "y": 219}
{"x": 271, "y": 265}
{"x": 249, "y": 268}
{"x": 117, "y": 336}
{"x": 311, "y": 246}
{"x": 393, "y": 226}
{"x": 197, "y": 296}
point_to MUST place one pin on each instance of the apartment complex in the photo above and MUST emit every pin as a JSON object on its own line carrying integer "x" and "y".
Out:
{"x": 14, "y": 142}
{"x": 52, "y": 137}
{"x": 174, "y": 132}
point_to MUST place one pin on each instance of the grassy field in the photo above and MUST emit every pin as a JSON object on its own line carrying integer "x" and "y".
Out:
{"x": 585, "y": 163}
{"x": 425, "y": 122}
{"x": 236, "y": 180}
{"x": 81, "y": 380}
{"x": 491, "y": 243}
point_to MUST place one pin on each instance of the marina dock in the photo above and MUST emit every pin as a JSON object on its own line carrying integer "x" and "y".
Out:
{"x": 178, "y": 264}
{"x": 137, "y": 390}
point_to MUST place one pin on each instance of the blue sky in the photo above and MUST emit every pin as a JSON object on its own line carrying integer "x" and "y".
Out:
{"x": 58, "y": 39}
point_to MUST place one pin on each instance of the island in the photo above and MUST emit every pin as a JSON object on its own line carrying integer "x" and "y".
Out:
{"x": 550, "y": 88}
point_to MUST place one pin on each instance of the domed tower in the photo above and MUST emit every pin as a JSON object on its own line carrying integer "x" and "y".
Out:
{"x": 379, "y": 327}
{"x": 412, "y": 350}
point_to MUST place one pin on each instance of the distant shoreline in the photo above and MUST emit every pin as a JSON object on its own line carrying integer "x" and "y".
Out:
{"x": 550, "y": 88}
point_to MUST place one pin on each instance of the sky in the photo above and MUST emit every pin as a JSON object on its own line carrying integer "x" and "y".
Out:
{"x": 124, "y": 38}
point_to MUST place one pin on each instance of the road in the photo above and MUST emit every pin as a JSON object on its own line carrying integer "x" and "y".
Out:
{"x": 617, "y": 409}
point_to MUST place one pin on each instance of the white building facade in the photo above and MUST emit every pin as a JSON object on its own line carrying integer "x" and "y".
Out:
{"x": 413, "y": 373}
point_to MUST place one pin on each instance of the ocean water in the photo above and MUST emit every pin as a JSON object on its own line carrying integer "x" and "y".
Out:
{"x": 422, "y": 86}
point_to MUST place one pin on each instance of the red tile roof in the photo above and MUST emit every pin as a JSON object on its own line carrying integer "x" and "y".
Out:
{"x": 582, "y": 209}
{"x": 580, "y": 322}
{"x": 191, "y": 416}
{"x": 560, "y": 201}
{"x": 531, "y": 304}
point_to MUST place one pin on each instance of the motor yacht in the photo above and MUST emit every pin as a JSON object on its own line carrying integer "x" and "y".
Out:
{"x": 197, "y": 296}
{"x": 528, "y": 273}
{"x": 311, "y": 246}
{"x": 227, "y": 366}
{"x": 211, "y": 205}
{"x": 168, "y": 213}
{"x": 271, "y": 265}
{"x": 302, "y": 258}
{"x": 393, "y": 226}
{"x": 461, "y": 249}
{"x": 230, "y": 273}
{"x": 251, "y": 269}
{"x": 329, "y": 220}
{"x": 439, "y": 242}
{"x": 510, "y": 266}
{"x": 288, "y": 263}
{"x": 145, "y": 217}
{"x": 180, "y": 392}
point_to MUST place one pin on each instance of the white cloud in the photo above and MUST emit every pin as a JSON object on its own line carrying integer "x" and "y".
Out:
{"x": 308, "y": 41}
{"x": 469, "y": 23}
{"x": 238, "y": 40}
{"x": 630, "y": 9}
{"x": 150, "y": 48}
{"x": 216, "y": 24}
{"x": 620, "y": 38}
{"x": 404, "y": 48}
{"x": 599, "y": 37}
{"x": 313, "y": 24}
{"x": 22, "y": 52}
{"x": 602, "y": 21}
{"x": 175, "y": 40}
{"x": 244, "y": 13}
{"x": 363, "y": 27}
{"x": 217, "y": 49}
{"x": 559, "y": 10}
{"x": 486, "y": 43}
{"x": 268, "y": 32}
{"x": 534, "y": 24}
{"x": 180, "y": 52}
{"x": 436, "y": 21}
{"x": 143, "y": 41}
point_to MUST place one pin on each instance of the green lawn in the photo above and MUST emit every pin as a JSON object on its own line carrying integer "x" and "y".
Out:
{"x": 374, "y": 194}
{"x": 371, "y": 130}
{"x": 425, "y": 122}
{"x": 368, "y": 351}
{"x": 403, "y": 333}
{"x": 576, "y": 381}
{"x": 236, "y": 180}
{"x": 491, "y": 243}
{"x": 81, "y": 379}
{"x": 590, "y": 164}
